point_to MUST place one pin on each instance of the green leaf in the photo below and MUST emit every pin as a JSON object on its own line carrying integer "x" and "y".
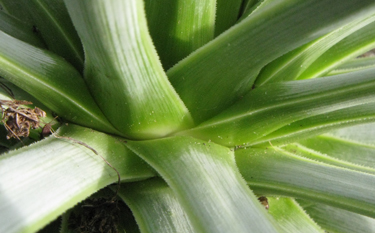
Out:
{"x": 227, "y": 13}
{"x": 316, "y": 155}
{"x": 340, "y": 147}
{"x": 122, "y": 69}
{"x": 51, "y": 80}
{"x": 215, "y": 76}
{"x": 273, "y": 106}
{"x": 320, "y": 124}
{"x": 18, "y": 29}
{"x": 178, "y": 27}
{"x": 271, "y": 171}
{"x": 17, "y": 9}
{"x": 337, "y": 220}
{"x": 60, "y": 172}
{"x": 250, "y": 5}
{"x": 51, "y": 19}
{"x": 352, "y": 46}
{"x": 354, "y": 65}
{"x": 155, "y": 207}
{"x": 290, "y": 216}
{"x": 292, "y": 64}
{"x": 207, "y": 183}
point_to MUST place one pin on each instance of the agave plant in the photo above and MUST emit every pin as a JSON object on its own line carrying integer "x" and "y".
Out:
{"x": 204, "y": 110}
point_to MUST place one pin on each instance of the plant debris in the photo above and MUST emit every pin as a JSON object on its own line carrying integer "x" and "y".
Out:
{"x": 264, "y": 201}
{"x": 95, "y": 215}
{"x": 18, "y": 120}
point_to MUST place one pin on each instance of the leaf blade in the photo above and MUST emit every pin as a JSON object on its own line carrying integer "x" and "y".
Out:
{"x": 207, "y": 183}
{"x": 62, "y": 172}
{"x": 124, "y": 68}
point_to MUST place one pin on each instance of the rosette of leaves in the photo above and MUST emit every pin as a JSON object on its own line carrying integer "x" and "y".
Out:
{"x": 200, "y": 106}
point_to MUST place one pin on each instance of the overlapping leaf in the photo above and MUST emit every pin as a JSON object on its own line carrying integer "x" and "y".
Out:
{"x": 60, "y": 172}
{"x": 274, "y": 106}
{"x": 122, "y": 69}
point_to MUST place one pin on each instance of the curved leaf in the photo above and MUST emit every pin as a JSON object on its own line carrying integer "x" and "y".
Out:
{"x": 271, "y": 107}
{"x": 316, "y": 125}
{"x": 51, "y": 80}
{"x": 62, "y": 173}
{"x": 215, "y": 76}
{"x": 352, "y": 46}
{"x": 122, "y": 69}
{"x": 206, "y": 181}
{"x": 292, "y": 64}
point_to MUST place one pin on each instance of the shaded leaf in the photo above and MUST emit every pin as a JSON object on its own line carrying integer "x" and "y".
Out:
{"x": 155, "y": 207}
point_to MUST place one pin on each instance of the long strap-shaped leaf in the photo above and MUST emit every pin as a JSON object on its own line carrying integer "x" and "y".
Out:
{"x": 205, "y": 179}
{"x": 51, "y": 19}
{"x": 338, "y": 220}
{"x": 316, "y": 125}
{"x": 352, "y": 46}
{"x": 122, "y": 69}
{"x": 51, "y": 80}
{"x": 353, "y": 150}
{"x": 290, "y": 216}
{"x": 292, "y": 64}
{"x": 61, "y": 173}
{"x": 178, "y": 27}
{"x": 354, "y": 65}
{"x": 274, "y": 172}
{"x": 273, "y": 106}
{"x": 155, "y": 207}
{"x": 317, "y": 155}
{"x": 213, "y": 77}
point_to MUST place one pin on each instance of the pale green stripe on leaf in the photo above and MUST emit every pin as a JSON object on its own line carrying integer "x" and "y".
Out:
{"x": 155, "y": 207}
{"x": 352, "y": 46}
{"x": 61, "y": 173}
{"x": 290, "y": 216}
{"x": 338, "y": 220}
{"x": 354, "y": 65}
{"x": 19, "y": 29}
{"x": 178, "y": 27}
{"x": 318, "y": 155}
{"x": 273, "y": 106}
{"x": 353, "y": 151}
{"x": 205, "y": 179}
{"x": 319, "y": 124}
{"x": 215, "y": 76}
{"x": 273, "y": 172}
{"x": 294, "y": 63}
{"x": 227, "y": 13}
{"x": 51, "y": 80}
{"x": 122, "y": 69}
